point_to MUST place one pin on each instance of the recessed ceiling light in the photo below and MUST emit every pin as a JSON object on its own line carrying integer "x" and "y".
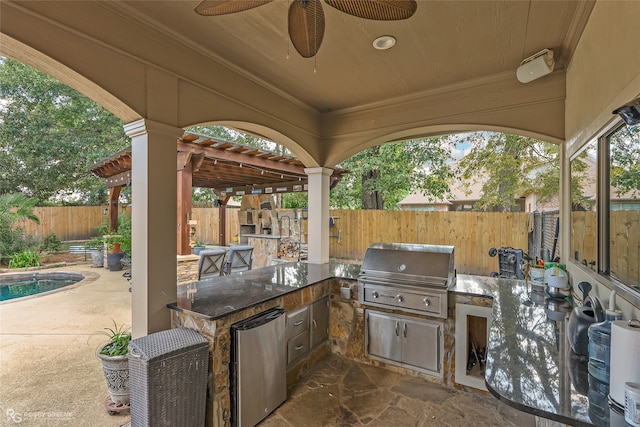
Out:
{"x": 384, "y": 42}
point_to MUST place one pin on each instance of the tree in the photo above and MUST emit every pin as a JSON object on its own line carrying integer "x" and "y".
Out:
{"x": 50, "y": 136}
{"x": 579, "y": 178}
{"x": 381, "y": 176}
{"x": 512, "y": 166}
{"x": 625, "y": 161}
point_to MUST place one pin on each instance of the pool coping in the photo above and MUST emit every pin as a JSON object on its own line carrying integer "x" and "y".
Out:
{"x": 89, "y": 276}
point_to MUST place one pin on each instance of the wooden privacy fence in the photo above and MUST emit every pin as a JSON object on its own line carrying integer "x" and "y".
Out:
{"x": 471, "y": 233}
{"x": 82, "y": 222}
{"x": 207, "y": 228}
{"x": 67, "y": 222}
{"x": 624, "y": 243}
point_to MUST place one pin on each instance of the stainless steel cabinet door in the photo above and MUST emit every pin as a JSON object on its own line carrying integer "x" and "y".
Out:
{"x": 319, "y": 321}
{"x": 297, "y": 348}
{"x": 421, "y": 344}
{"x": 297, "y": 322}
{"x": 383, "y": 336}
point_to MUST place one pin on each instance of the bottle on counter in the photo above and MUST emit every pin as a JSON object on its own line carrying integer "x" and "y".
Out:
{"x": 600, "y": 342}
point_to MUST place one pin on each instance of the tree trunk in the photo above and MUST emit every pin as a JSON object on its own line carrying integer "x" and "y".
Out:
{"x": 371, "y": 197}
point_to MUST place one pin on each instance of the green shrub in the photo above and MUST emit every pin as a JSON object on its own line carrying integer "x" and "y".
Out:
{"x": 52, "y": 243}
{"x": 25, "y": 259}
{"x": 13, "y": 209}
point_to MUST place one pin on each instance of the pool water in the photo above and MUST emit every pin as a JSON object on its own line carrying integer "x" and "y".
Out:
{"x": 22, "y": 286}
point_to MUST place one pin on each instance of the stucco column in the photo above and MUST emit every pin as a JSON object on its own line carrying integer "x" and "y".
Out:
{"x": 318, "y": 195}
{"x": 153, "y": 216}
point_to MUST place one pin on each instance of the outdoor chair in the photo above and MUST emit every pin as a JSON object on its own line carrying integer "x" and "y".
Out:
{"x": 239, "y": 259}
{"x": 210, "y": 263}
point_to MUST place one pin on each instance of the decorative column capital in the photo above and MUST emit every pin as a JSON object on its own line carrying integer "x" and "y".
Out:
{"x": 143, "y": 126}
{"x": 318, "y": 171}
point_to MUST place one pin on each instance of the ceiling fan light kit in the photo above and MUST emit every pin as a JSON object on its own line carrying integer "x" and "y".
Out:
{"x": 535, "y": 66}
{"x": 306, "y": 17}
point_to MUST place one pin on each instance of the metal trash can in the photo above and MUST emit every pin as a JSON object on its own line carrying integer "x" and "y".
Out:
{"x": 168, "y": 379}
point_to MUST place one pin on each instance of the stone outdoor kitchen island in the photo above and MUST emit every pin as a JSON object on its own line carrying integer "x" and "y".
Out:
{"x": 212, "y": 306}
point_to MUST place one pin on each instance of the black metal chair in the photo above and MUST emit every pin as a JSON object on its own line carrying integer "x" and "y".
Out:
{"x": 210, "y": 263}
{"x": 239, "y": 259}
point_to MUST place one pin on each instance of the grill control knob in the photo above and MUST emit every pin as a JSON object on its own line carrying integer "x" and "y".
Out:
{"x": 399, "y": 298}
{"x": 375, "y": 294}
{"x": 426, "y": 301}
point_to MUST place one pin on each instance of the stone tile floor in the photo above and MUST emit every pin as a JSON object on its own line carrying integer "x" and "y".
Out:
{"x": 340, "y": 392}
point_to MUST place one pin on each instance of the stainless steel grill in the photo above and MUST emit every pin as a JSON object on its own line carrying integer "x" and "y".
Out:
{"x": 413, "y": 278}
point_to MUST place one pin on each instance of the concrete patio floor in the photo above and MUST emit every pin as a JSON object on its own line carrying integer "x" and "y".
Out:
{"x": 49, "y": 373}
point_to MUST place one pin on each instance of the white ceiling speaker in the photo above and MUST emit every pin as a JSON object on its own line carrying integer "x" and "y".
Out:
{"x": 536, "y": 66}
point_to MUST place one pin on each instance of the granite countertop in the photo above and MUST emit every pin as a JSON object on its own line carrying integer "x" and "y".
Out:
{"x": 530, "y": 365}
{"x": 221, "y": 296}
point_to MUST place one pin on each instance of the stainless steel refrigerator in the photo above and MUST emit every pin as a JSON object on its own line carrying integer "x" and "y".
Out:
{"x": 258, "y": 366}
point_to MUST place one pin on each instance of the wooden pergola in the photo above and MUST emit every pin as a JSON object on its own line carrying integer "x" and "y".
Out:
{"x": 229, "y": 169}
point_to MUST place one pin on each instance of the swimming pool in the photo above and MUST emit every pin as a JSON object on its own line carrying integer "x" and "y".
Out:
{"x": 19, "y": 285}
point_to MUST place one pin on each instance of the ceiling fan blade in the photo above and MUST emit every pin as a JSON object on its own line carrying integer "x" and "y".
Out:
{"x": 379, "y": 10}
{"x": 223, "y": 7}
{"x": 306, "y": 26}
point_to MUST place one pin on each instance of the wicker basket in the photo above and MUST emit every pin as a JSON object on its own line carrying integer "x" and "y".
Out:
{"x": 168, "y": 377}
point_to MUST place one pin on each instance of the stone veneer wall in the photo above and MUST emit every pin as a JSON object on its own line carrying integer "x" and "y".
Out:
{"x": 218, "y": 333}
{"x": 187, "y": 268}
{"x": 347, "y": 332}
{"x": 265, "y": 250}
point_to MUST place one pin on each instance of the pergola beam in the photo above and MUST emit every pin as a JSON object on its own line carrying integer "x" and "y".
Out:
{"x": 273, "y": 188}
{"x": 240, "y": 158}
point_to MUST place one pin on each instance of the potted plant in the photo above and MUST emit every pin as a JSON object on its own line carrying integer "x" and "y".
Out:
{"x": 114, "y": 253}
{"x": 199, "y": 246}
{"x": 115, "y": 362}
{"x": 95, "y": 247}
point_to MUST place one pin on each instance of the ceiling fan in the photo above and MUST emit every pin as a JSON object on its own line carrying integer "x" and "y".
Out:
{"x": 306, "y": 18}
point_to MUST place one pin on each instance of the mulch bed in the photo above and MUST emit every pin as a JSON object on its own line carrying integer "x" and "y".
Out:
{"x": 51, "y": 260}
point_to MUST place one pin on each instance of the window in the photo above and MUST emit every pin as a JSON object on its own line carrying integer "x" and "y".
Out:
{"x": 605, "y": 207}
{"x": 621, "y": 257}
